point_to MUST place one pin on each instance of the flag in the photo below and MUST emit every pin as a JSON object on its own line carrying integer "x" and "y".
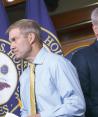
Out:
{"x": 36, "y": 10}
{"x": 10, "y": 69}
{"x": 3, "y": 21}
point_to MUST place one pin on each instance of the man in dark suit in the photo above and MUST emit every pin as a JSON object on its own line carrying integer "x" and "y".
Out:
{"x": 86, "y": 62}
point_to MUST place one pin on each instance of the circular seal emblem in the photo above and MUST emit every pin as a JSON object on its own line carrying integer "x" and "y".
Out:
{"x": 10, "y": 69}
{"x": 8, "y": 78}
{"x": 50, "y": 41}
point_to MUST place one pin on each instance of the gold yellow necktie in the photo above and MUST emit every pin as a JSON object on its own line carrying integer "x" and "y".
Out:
{"x": 32, "y": 89}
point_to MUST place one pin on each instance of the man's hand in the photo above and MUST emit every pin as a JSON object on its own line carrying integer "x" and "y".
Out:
{"x": 37, "y": 115}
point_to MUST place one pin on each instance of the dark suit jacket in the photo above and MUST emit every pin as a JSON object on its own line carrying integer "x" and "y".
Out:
{"x": 86, "y": 63}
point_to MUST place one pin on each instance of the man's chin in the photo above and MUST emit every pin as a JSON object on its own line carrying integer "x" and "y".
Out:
{"x": 17, "y": 57}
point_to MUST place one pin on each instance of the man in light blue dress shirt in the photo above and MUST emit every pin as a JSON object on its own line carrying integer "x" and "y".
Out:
{"x": 57, "y": 88}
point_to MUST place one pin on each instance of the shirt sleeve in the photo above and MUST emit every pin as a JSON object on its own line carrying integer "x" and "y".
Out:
{"x": 66, "y": 80}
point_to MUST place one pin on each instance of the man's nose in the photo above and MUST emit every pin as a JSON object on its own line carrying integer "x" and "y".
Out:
{"x": 12, "y": 46}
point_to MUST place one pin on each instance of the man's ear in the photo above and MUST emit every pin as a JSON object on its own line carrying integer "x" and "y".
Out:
{"x": 95, "y": 29}
{"x": 31, "y": 38}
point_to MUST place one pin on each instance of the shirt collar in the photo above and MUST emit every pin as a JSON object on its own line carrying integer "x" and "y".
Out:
{"x": 39, "y": 59}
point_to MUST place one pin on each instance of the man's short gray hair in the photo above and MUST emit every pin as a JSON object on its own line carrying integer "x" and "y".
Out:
{"x": 94, "y": 16}
{"x": 26, "y": 26}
